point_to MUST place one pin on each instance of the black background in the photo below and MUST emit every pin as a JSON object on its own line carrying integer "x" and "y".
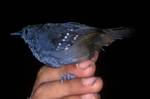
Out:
{"x": 119, "y": 66}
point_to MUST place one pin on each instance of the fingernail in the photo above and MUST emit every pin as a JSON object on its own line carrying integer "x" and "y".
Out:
{"x": 88, "y": 81}
{"x": 89, "y": 96}
{"x": 84, "y": 65}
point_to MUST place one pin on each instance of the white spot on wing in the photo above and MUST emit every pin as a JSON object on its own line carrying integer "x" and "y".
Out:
{"x": 75, "y": 37}
{"x": 71, "y": 29}
{"x": 68, "y": 45}
{"x": 67, "y": 34}
{"x": 63, "y": 39}
{"x": 59, "y": 43}
{"x": 66, "y": 48}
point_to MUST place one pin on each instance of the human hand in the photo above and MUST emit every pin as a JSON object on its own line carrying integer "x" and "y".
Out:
{"x": 84, "y": 86}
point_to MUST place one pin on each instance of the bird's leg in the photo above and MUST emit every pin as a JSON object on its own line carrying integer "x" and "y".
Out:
{"x": 66, "y": 76}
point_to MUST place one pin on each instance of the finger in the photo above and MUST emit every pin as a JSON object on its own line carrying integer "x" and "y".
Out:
{"x": 85, "y": 96}
{"x": 72, "y": 87}
{"x": 85, "y": 69}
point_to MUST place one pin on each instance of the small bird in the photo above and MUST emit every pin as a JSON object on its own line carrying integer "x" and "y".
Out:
{"x": 58, "y": 44}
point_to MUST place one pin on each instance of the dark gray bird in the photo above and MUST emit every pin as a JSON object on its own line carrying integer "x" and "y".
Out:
{"x": 57, "y": 44}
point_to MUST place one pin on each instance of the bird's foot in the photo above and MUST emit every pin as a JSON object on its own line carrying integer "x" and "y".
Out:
{"x": 66, "y": 76}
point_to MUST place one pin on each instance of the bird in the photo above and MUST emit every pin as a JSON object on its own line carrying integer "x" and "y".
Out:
{"x": 59, "y": 44}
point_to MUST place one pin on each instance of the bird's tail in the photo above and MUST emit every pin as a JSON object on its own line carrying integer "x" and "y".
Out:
{"x": 119, "y": 33}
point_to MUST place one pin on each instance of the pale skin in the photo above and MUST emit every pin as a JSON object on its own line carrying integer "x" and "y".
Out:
{"x": 84, "y": 86}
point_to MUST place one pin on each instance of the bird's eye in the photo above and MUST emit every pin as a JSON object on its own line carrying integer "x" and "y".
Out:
{"x": 26, "y": 31}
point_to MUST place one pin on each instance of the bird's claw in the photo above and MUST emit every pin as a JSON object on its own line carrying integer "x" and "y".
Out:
{"x": 66, "y": 76}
